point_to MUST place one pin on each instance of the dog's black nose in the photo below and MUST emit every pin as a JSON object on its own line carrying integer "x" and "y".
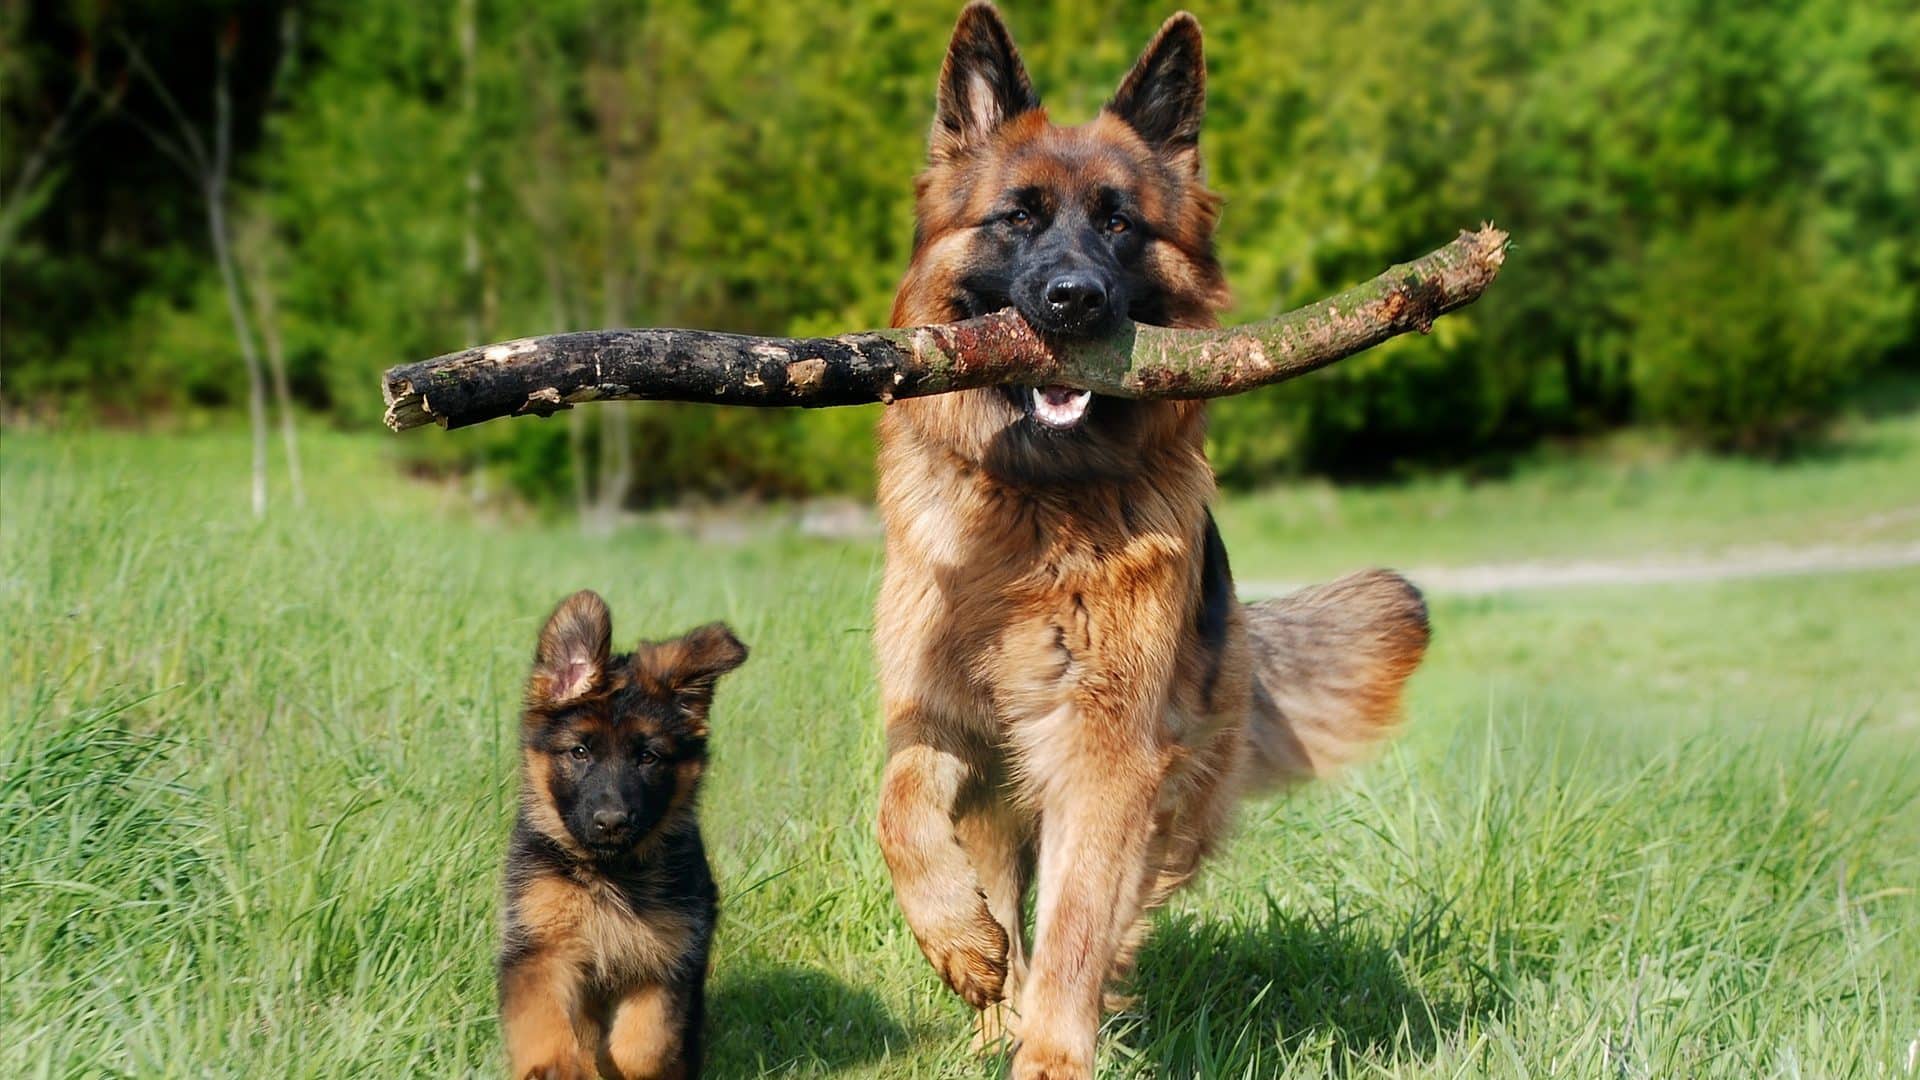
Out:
{"x": 1076, "y": 296}
{"x": 605, "y": 821}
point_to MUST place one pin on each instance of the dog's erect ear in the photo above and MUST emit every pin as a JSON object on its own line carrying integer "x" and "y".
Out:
{"x": 983, "y": 84}
{"x": 688, "y": 666}
{"x": 573, "y": 652}
{"x": 1164, "y": 97}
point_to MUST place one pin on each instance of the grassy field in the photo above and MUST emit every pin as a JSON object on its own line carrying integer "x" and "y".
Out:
{"x": 255, "y": 781}
{"x": 1631, "y": 495}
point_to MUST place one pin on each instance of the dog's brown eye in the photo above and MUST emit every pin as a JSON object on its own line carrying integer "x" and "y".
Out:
{"x": 1020, "y": 217}
{"x": 1118, "y": 223}
{"x": 579, "y": 752}
{"x": 648, "y": 757}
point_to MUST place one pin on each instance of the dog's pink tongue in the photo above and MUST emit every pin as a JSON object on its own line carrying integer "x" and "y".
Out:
{"x": 1060, "y": 406}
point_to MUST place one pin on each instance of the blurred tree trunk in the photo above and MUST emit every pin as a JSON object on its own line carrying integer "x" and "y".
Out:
{"x": 623, "y": 127}
{"x": 469, "y": 34}
{"x": 257, "y": 250}
{"x": 216, "y": 190}
{"x": 559, "y": 315}
{"x": 591, "y": 191}
{"x": 540, "y": 183}
{"x": 210, "y": 167}
{"x": 243, "y": 331}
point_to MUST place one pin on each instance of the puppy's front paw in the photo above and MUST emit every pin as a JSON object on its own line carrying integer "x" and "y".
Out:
{"x": 1034, "y": 1061}
{"x": 563, "y": 1069}
{"x": 971, "y": 955}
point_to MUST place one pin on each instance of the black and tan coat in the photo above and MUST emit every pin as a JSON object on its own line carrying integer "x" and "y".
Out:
{"x": 1074, "y": 698}
{"x": 610, "y": 905}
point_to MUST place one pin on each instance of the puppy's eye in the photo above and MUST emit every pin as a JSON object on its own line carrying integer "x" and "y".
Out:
{"x": 1020, "y": 219}
{"x": 579, "y": 752}
{"x": 1118, "y": 223}
{"x": 648, "y": 757}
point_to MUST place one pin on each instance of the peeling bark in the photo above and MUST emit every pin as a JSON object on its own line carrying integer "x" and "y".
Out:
{"x": 545, "y": 374}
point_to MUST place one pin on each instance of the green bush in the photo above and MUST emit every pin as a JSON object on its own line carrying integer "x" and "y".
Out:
{"x": 747, "y": 166}
{"x": 784, "y": 453}
{"x": 1746, "y": 328}
{"x": 679, "y": 451}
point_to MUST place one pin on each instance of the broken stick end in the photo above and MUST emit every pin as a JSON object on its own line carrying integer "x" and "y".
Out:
{"x": 406, "y": 407}
{"x": 1491, "y": 244}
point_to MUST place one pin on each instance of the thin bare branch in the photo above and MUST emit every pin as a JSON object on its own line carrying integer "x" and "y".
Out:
{"x": 19, "y": 194}
{"x": 197, "y": 162}
{"x": 222, "y": 118}
{"x": 173, "y": 150}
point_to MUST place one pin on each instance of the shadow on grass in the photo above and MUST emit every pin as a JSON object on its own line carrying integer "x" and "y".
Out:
{"x": 793, "y": 1019}
{"x": 1887, "y": 392}
{"x": 1216, "y": 998}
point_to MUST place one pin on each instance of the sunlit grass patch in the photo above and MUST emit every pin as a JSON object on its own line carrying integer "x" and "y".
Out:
{"x": 255, "y": 782}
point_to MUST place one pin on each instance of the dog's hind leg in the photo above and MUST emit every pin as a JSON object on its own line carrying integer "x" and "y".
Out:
{"x": 928, "y": 772}
{"x": 1202, "y": 797}
{"x": 998, "y": 841}
{"x": 1200, "y": 808}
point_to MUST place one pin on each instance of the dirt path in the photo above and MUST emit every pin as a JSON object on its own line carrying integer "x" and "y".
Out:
{"x": 1651, "y": 570}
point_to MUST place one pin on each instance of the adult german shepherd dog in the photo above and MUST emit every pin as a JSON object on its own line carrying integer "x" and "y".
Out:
{"x": 610, "y": 904}
{"x": 1072, "y": 692}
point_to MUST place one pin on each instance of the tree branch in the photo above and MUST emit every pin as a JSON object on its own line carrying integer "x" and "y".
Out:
{"x": 191, "y": 154}
{"x": 17, "y": 200}
{"x": 542, "y": 375}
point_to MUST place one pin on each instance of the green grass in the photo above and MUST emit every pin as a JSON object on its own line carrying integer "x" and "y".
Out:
{"x": 1629, "y": 495}
{"x": 255, "y": 782}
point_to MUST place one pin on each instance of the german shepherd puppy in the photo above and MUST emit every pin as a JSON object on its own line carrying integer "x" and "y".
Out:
{"x": 610, "y": 905}
{"x": 1071, "y": 690}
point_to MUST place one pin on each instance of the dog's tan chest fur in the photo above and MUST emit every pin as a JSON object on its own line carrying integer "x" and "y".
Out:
{"x": 619, "y": 945}
{"x": 999, "y": 603}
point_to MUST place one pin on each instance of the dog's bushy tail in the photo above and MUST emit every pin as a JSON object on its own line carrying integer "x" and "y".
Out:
{"x": 1329, "y": 664}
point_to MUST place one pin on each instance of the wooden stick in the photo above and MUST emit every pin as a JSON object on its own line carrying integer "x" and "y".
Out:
{"x": 542, "y": 375}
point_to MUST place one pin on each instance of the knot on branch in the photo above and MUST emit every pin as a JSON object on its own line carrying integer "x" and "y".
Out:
{"x": 543, "y": 403}
{"x": 1414, "y": 303}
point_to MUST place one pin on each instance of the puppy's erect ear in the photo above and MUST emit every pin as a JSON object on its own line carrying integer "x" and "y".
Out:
{"x": 1164, "y": 97}
{"x": 688, "y": 666}
{"x": 574, "y": 648}
{"x": 983, "y": 84}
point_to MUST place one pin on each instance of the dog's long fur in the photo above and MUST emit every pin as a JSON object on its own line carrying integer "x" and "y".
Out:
{"x": 1072, "y": 692}
{"x": 610, "y": 906}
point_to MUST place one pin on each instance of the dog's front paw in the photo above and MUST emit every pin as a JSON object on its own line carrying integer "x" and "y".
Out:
{"x": 1034, "y": 1061}
{"x": 971, "y": 955}
{"x": 994, "y": 1029}
{"x": 563, "y": 1069}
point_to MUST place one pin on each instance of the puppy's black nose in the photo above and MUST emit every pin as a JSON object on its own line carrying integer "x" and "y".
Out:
{"x": 605, "y": 821}
{"x": 1076, "y": 296}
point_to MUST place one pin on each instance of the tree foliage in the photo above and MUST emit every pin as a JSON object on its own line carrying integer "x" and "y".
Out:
{"x": 1716, "y": 205}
